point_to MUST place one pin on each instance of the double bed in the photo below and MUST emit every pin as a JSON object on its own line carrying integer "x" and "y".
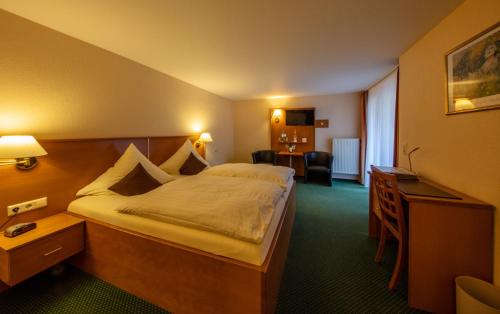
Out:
{"x": 105, "y": 209}
{"x": 175, "y": 266}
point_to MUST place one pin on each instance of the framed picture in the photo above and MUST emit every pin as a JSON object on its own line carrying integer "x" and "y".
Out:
{"x": 473, "y": 73}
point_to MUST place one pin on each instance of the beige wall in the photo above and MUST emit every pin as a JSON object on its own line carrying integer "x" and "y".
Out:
{"x": 55, "y": 86}
{"x": 252, "y": 121}
{"x": 461, "y": 151}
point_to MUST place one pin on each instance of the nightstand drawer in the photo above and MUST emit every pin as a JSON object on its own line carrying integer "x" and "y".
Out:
{"x": 39, "y": 255}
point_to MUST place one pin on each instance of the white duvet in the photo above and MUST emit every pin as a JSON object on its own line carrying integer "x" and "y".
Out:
{"x": 238, "y": 207}
{"x": 275, "y": 174}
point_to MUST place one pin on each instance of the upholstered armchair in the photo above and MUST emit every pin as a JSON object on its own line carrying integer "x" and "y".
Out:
{"x": 319, "y": 163}
{"x": 265, "y": 157}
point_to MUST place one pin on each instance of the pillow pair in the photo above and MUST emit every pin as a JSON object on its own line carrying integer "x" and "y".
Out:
{"x": 132, "y": 174}
{"x": 186, "y": 161}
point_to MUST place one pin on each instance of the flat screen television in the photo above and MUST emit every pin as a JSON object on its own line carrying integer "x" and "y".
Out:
{"x": 300, "y": 117}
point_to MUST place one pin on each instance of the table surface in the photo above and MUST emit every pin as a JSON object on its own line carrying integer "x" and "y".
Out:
{"x": 463, "y": 198}
{"x": 45, "y": 226}
{"x": 291, "y": 154}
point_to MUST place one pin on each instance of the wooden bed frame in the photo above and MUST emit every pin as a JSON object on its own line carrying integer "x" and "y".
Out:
{"x": 173, "y": 276}
{"x": 182, "y": 279}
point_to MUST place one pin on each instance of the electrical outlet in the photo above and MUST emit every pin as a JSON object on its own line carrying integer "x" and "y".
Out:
{"x": 26, "y": 206}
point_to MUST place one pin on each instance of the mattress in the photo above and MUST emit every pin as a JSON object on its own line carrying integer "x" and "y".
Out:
{"x": 103, "y": 208}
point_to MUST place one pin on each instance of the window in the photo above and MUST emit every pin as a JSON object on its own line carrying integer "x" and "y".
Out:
{"x": 380, "y": 123}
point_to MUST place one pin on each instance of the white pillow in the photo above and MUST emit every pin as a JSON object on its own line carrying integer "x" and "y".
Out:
{"x": 127, "y": 162}
{"x": 175, "y": 162}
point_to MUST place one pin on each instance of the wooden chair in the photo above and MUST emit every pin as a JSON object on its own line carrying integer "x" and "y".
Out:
{"x": 392, "y": 219}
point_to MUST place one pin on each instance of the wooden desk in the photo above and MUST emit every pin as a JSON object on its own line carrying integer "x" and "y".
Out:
{"x": 447, "y": 238}
{"x": 293, "y": 160}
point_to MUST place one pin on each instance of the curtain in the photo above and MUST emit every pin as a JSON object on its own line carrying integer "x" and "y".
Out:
{"x": 381, "y": 123}
{"x": 362, "y": 150}
{"x": 396, "y": 124}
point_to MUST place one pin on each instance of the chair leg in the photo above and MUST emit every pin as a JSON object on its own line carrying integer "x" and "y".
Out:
{"x": 398, "y": 268}
{"x": 381, "y": 243}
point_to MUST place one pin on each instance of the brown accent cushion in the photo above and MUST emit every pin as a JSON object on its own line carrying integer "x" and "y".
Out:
{"x": 192, "y": 165}
{"x": 138, "y": 181}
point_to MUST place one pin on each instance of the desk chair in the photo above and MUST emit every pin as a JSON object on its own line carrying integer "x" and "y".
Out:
{"x": 392, "y": 219}
{"x": 320, "y": 163}
{"x": 265, "y": 157}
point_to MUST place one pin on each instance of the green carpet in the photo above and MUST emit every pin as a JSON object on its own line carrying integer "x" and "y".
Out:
{"x": 330, "y": 265}
{"x": 71, "y": 292}
{"x": 329, "y": 268}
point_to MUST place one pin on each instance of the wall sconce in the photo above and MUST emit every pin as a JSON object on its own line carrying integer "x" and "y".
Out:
{"x": 204, "y": 138}
{"x": 277, "y": 114}
{"x": 20, "y": 150}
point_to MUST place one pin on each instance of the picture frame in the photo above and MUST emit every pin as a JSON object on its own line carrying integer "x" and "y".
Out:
{"x": 473, "y": 73}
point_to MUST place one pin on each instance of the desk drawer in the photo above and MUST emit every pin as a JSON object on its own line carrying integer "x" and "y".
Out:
{"x": 44, "y": 253}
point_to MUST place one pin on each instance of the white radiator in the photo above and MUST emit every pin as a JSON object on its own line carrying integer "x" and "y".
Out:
{"x": 346, "y": 156}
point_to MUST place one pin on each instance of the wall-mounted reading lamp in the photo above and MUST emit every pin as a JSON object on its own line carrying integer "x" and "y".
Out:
{"x": 20, "y": 150}
{"x": 409, "y": 156}
{"x": 204, "y": 138}
{"x": 277, "y": 114}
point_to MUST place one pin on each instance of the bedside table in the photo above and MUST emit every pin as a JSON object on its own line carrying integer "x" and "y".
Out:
{"x": 55, "y": 238}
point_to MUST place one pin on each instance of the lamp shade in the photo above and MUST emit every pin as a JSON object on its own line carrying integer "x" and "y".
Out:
{"x": 205, "y": 137}
{"x": 20, "y": 146}
{"x": 277, "y": 113}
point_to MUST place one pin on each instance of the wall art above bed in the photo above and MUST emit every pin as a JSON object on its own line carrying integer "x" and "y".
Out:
{"x": 473, "y": 73}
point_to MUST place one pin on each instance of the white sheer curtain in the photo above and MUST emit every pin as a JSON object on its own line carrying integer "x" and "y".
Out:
{"x": 380, "y": 123}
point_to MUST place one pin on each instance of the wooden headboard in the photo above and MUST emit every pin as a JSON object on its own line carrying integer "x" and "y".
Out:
{"x": 69, "y": 166}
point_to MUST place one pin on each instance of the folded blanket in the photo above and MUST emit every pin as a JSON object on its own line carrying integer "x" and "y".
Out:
{"x": 276, "y": 174}
{"x": 241, "y": 208}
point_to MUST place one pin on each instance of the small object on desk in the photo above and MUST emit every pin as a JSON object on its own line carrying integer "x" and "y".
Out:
{"x": 15, "y": 230}
{"x": 400, "y": 173}
{"x": 418, "y": 188}
{"x": 304, "y": 140}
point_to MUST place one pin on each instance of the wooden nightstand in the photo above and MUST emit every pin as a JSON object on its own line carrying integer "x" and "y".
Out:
{"x": 55, "y": 239}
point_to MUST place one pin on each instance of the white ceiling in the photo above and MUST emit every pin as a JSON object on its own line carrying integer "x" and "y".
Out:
{"x": 244, "y": 49}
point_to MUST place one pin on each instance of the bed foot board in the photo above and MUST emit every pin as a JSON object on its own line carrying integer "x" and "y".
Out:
{"x": 181, "y": 279}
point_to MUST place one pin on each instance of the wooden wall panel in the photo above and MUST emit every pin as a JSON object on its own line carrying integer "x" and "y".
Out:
{"x": 161, "y": 148}
{"x": 307, "y": 131}
{"x": 69, "y": 166}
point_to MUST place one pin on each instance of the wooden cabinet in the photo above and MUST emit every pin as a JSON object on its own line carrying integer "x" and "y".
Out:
{"x": 55, "y": 239}
{"x": 305, "y": 141}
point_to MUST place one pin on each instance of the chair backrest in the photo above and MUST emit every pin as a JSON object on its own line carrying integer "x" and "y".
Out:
{"x": 324, "y": 159}
{"x": 389, "y": 199}
{"x": 264, "y": 156}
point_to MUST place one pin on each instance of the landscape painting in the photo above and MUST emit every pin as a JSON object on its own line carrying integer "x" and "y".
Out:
{"x": 473, "y": 73}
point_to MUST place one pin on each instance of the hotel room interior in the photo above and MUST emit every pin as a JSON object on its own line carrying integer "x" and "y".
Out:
{"x": 249, "y": 156}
